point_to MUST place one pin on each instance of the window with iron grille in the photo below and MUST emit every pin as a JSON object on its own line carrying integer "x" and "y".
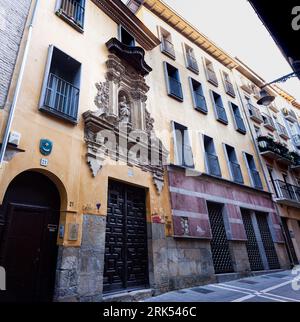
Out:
{"x": 72, "y": 11}
{"x": 167, "y": 46}
{"x": 173, "y": 82}
{"x": 210, "y": 72}
{"x": 233, "y": 164}
{"x": 238, "y": 120}
{"x": 191, "y": 61}
{"x": 198, "y": 96}
{"x": 253, "y": 173}
{"x": 61, "y": 86}
{"x": 211, "y": 158}
{"x": 182, "y": 146}
{"x": 219, "y": 107}
{"x": 228, "y": 85}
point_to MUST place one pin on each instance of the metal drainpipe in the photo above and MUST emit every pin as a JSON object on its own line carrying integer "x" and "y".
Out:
{"x": 263, "y": 170}
{"x": 18, "y": 86}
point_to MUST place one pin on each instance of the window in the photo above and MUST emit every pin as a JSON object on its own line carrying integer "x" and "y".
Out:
{"x": 125, "y": 37}
{"x": 257, "y": 131}
{"x": 191, "y": 61}
{"x": 228, "y": 85}
{"x": 210, "y": 72}
{"x": 60, "y": 92}
{"x": 173, "y": 82}
{"x": 219, "y": 107}
{"x": 198, "y": 96}
{"x": 167, "y": 46}
{"x": 238, "y": 120}
{"x": 234, "y": 167}
{"x": 211, "y": 158}
{"x": 253, "y": 173}
{"x": 72, "y": 11}
{"x": 182, "y": 146}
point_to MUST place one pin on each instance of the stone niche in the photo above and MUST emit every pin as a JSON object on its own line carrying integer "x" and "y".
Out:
{"x": 121, "y": 128}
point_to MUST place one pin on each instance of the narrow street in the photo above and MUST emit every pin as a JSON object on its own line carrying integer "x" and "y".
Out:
{"x": 274, "y": 287}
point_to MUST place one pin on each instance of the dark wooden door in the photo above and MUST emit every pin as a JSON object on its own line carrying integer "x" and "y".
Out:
{"x": 126, "y": 255}
{"x": 28, "y": 235}
{"x": 219, "y": 242}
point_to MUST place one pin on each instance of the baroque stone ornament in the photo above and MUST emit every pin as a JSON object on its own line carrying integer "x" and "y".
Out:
{"x": 121, "y": 128}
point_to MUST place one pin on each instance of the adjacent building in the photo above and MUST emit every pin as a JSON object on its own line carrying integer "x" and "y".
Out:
{"x": 133, "y": 162}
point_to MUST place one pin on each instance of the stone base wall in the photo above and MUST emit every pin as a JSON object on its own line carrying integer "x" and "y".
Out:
{"x": 282, "y": 255}
{"x": 239, "y": 256}
{"x": 79, "y": 274}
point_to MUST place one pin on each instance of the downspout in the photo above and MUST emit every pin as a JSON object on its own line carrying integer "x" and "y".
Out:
{"x": 18, "y": 86}
{"x": 263, "y": 169}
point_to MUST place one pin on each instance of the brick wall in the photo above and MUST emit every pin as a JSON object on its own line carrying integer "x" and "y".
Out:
{"x": 13, "y": 16}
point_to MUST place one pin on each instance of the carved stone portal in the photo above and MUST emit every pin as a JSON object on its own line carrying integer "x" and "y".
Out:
{"x": 121, "y": 128}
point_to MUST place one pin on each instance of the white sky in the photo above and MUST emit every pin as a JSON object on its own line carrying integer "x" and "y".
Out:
{"x": 234, "y": 26}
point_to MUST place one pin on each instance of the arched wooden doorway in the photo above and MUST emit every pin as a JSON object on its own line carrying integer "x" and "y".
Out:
{"x": 29, "y": 218}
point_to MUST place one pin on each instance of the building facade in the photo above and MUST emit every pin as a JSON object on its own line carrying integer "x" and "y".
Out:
{"x": 131, "y": 162}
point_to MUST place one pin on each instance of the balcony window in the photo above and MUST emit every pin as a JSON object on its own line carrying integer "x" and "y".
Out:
{"x": 198, "y": 96}
{"x": 219, "y": 107}
{"x": 287, "y": 193}
{"x": 167, "y": 46}
{"x": 253, "y": 173}
{"x": 254, "y": 112}
{"x": 191, "y": 60}
{"x": 228, "y": 85}
{"x": 125, "y": 37}
{"x": 210, "y": 73}
{"x": 60, "y": 92}
{"x": 290, "y": 115}
{"x": 211, "y": 158}
{"x": 282, "y": 131}
{"x": 234, "y": 167}
{"x": 268, "y": 122}
{"x": 72, "y": 11}
{"x": 173, "y": 82}
{"x": 182, "y": 146}
{"x": 238, "y": 120}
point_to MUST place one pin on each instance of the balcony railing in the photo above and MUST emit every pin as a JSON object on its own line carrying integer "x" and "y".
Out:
{"x": 282, "y": 131}
{"x": 256, "y": 179}
{"x": 61, "y": 98}
{"x": 168, "y": 47}
{"x": 236, "y": 172}
{"x": 240, "y": 124}
{"x": 229, "y": 88}
{"x": 175, "y": 88}
{"x": 255, "y": 114}
{"x": 192, "y": 63}
{"x": 200, "y": 102}
{"x": 296, "y": 140}
{"x": 287, "y": 192}
{"x": 73, "y": 10}
{"x": 274, "y": 150}
{"x": 211, "y": 76}
{"x": 290, "y": 115}
{"x": 221, "y": 113}
{"x": 213, "y": 165}
{"x": 268, "y": 122}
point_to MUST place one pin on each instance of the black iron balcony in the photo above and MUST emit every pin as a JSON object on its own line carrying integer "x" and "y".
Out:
{"x": 229, "y": 88}
{"x": 274, "y": 150}
{"x": 61, "y": 98}
{"x": 290, "y": 115}
{"x": 73, "y": 11}
{"x": 283, "y": 132}
{"x": 200, "y": 102}
{"x": 268, "y": 122}
{"x": 296, "y": 140}
{"x": 211, "y": 76}
{"x": 221, "y": 114}
{"x": 240, "y": 125}
{"x": 213, "y": 165}
{"x": 287, "y": 194}
{"x": 256, "y": 179}
{"x": 175, "y": 88}
{"x": 192, "y": 63}
{"x": 236, "y": 172}
{"x": 167, "y": 48}
{"x": 255, "y": 113}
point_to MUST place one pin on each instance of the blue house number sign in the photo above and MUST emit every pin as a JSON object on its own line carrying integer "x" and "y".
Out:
{"x": 46, "y": 146}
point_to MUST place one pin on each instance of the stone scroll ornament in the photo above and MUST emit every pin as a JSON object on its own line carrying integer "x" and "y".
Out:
{"x": 121, "y": 112}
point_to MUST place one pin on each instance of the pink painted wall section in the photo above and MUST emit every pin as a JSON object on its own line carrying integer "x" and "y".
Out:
{"x": 234, "y": 217}
{"x": 277, "y": 228}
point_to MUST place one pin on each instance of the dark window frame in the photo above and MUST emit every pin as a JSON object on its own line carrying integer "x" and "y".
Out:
{"x": 175, "y": 81}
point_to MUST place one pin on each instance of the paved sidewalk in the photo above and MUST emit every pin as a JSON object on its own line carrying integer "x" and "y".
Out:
{"x": 274, "y": 287}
